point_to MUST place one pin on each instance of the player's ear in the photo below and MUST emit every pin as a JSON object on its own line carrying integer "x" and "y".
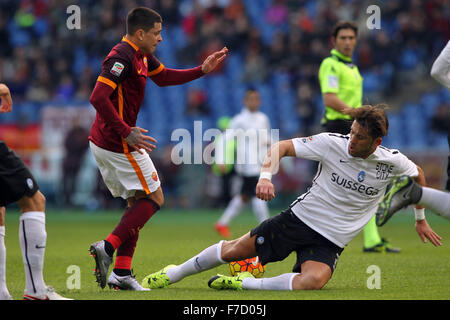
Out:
{"x": 378, "y": 141}
{"x": 140, "y": 34}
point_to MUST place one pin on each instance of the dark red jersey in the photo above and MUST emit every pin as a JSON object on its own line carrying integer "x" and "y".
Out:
{"x": 120, "y": 89}
{"x": 125, "y": 70}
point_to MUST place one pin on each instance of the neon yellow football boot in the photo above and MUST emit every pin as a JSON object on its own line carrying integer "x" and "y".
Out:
{"x": 157, "y": 279}
{"x": 221, "y": 282}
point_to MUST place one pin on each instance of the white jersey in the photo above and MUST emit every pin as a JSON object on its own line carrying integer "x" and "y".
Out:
{"x": 441, "y": 67}
{"x": 252, "y": 133}
{"x": 346, "y": 190}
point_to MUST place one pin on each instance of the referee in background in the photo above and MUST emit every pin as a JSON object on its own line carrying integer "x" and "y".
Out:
{"x": 342, "y": 88}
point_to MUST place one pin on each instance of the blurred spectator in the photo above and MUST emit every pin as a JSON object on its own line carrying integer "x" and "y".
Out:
{"x": 277, "y": 13}
{"x": 42, "y": 60}
{"x": 277, "y": 53}
{"x": 76, "y": 144}
{"x": 197, "y": 104}
{"x": 441, "y": 119}
{"x": 168, "y": 173}
{"x": 169, "y": 11}
{"x": 305, "y": 108}
{"x": 254, "y": 68}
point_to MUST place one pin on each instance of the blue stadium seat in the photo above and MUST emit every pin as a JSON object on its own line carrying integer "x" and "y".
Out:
{"x": 445, "y": 94}
{"x": 29, "y": 110}
{"x": 438, "y": 141}
{"x": 371, "y": 82}
{"x": 408, "y": 59}
{"x": 430, "y": 102}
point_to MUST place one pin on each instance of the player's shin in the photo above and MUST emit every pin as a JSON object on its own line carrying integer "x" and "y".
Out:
{"x": 4, "y": 294}
{"x": 281, "y": 282}
{"x": 33, "y": 237}
{"x": 209, "y": 258}
{"x": 436, "y": 201}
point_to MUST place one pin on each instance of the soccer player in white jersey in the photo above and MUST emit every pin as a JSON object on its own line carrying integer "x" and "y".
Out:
{"x": 353, "y": 172}
{"x": 251, "y": 129}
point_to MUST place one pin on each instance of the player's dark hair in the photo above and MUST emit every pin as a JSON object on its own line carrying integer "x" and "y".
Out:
{"x": 344, "y": 25}
{"x": 250, "y": 89}
{"x": 373, "y": 118}
{"x": 142, "y": 18}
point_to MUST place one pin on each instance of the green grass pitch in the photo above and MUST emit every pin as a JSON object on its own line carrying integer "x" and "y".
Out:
{"x": 419, "y": 272}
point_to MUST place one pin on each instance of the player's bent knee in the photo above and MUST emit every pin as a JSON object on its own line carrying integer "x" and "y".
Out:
{"x": 309, "y": 281}
{"x": 34, "y": 203}
{"x": 157, "y": 197}
{"x": 232, "y": 251}
{"x": 238, "y": 249}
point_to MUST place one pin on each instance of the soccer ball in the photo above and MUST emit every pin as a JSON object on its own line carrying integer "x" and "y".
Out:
{"x": 251, "y": 265}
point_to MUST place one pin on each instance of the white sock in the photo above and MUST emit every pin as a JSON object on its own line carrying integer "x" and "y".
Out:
{"x": 3, "y": 288}
{"x": 260, "y": 209}
{"x": 281, "y": 282}
{"x": 32, "y": 236}
{"x": 209, "y": 258}
{"x": 437, "y": 201}
{"x": 232, "y": 210}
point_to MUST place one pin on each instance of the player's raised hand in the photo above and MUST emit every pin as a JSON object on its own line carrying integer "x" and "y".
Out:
{"x": 139, "y": 141}
{"x": 265, "y": 190}
{"x": 6, "y": 99}
{"x": 213, "y": 60}
{"x": 425, "y": 232}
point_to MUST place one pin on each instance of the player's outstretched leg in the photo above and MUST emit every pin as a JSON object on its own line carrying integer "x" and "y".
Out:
{"x": 245, "y": 281}
{"x": 403, "y": 192}
{"x": 102, "y": 262}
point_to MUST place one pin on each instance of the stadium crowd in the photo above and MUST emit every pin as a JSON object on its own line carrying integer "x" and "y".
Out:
{"x": 273, "y": 43}
{"x": 41, "y": 60}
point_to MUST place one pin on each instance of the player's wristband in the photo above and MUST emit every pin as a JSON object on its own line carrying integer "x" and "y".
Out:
{"x": 419, "y": 213}
{"x": 265, "y": 175}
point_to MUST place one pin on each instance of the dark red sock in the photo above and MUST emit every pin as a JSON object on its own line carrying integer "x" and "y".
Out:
{"x": 125, "y": 253}
{"x": 132, "y": 221}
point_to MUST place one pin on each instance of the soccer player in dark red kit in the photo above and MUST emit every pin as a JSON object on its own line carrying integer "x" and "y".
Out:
{"x": 120, "y": 148}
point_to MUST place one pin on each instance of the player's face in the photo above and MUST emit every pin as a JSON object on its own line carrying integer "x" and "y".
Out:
{"x": 152, "y": 38}
{"x": 345, "y": 42}
{"x": 252, "y": 101}
{"x": 361, "y": 144}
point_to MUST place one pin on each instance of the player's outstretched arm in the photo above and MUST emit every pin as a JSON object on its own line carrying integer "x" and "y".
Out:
{"x": 5, "y": 96}
{"x": 265, "y": 189}
{"x": 173, "y": 77}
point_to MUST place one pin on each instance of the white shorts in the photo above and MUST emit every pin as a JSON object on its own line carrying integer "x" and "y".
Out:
{"x": 126, "y": 173}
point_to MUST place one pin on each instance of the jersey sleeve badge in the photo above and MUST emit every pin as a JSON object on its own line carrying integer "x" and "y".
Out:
{"x": 117, "y": 69}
